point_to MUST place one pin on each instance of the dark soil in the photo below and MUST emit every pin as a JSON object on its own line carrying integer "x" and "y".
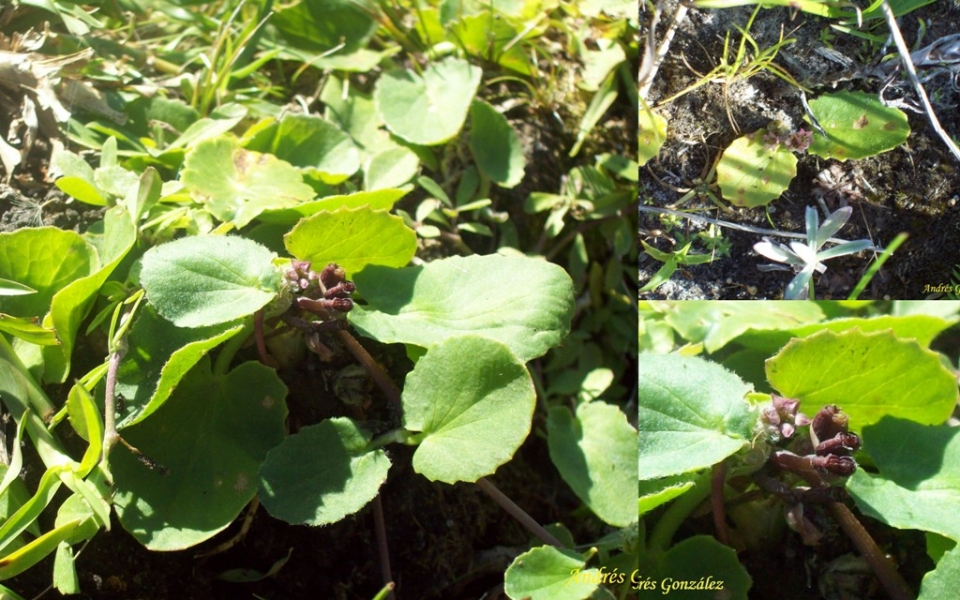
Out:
{"x": 914, "y": 188}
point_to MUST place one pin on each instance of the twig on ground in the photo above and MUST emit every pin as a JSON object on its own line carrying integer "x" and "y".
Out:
{"x": 654, "y": 55}
{"x": 747, "y": 228}
{"x": 912, "y": 72}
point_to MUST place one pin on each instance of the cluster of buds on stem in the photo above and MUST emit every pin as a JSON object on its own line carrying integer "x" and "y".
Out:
{"x": 325, "y": 294}
{"x": 778, "y": 133}
{"x": 833, "y": 446}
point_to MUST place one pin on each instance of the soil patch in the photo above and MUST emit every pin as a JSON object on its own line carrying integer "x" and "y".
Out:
{"x": 913, "y": 189}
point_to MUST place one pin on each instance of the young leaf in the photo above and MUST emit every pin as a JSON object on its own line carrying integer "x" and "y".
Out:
{"x": 523, "y": 302}
{"x": 473, "y": 399}
{"x": 210, "y": 436}
{"x": 206, "y": 280}
{"x": 390, "y": 168}
{"x": 693, "y": 414}
{"x": 322, "y": 474}
{"x": 353, "y": 239}
{"x": 653, "y": 133}
{"x": 700, "y": 558}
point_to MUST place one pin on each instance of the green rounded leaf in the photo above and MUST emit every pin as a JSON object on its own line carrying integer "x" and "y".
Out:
{"x": 210, "y": 436}
{"x": 237, "y": 184}
{"x": 702, "y": 561}
{"x": 594, "y": 453}
{"x": 353, "y": 239}
{"x": 311, "y": 143}
{"x": 868, "y": 375}
{"x": 942, "y": 581}
{"x": 750, "y": 175}
{"x": 495, "y": 145}
{"x": 46, "y": 259}
{"x": 322, "y": 474}
{"x": 164, "y": 354}
{"x": 857, "y": 125}
{"x": 390, "y": 168}
{"x": 548, "y": 573}
{"x": 692, "y": 414}
{"x": 473, "y": 399}
{"x": 324, "y": 26}
{"x": 523, "y": 302}
{"x": 206, "y": 280}
{"x": 918, "y": 486}
{"x": 428, "y": 109}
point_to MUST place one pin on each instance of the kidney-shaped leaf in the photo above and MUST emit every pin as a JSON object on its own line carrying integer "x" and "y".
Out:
{"x": 523, "y": 302}
{"x": 594, "y": 453}
{"x": 868, "y": 375}
{"x": 352, "y": 238}
{"x": 473, "y": 399}
{"x": 206, "y": 280}
{"x": 749, "y": 174}
{"x": 211, "y": 436}
{"x": 428, "y": 109}
{"x": 918, "y": 486}
{"x": 322, "y": 474}
{"x": 693, "y": 414}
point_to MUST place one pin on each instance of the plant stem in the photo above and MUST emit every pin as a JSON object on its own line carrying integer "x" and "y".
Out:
{"x": 518, "y": 513}
{"x": 891, "y": 580}
{"x": 663, "y": 531}
{"x": 912, "y": 73}
{"x": 110, "y": 435}
{"x": 888, "y": 575}
{"x": 258, "y": 336}
{"x": 230, "y": 349}
{"x": 372, "y": 367}
{"x": 383, "y": 550}
{"x": 717, "y": 482}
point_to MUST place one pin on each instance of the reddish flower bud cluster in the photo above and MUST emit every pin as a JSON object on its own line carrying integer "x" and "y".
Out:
{"x": 326, "y": 293}
{"x": 797, "y": 141}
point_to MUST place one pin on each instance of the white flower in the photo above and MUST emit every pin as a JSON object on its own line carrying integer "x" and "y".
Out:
{"x": 807, "y": 258}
